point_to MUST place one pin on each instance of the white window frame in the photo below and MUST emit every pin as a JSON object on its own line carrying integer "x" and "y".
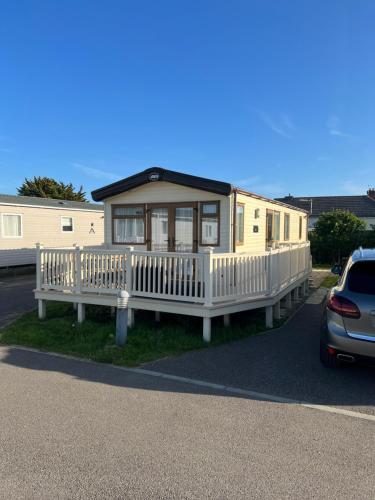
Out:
{"x": 61, "y": 224}
{"x": 2, "y": 226}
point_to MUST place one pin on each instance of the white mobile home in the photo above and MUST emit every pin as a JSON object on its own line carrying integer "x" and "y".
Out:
{"x": 26, "y": 220}
{"x": 183, "y": 244}
{"x": 162, "y": 210}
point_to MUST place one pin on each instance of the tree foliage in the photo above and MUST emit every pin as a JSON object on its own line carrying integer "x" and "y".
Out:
{"x": 336, "y": 235}
{"x": 46, "y": 187}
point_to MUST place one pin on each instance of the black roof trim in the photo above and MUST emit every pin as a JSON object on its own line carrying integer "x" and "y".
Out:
{"x": 161, "y": 174}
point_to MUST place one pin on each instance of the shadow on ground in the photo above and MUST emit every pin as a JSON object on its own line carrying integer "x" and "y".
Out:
{"x": 283, "y": 363}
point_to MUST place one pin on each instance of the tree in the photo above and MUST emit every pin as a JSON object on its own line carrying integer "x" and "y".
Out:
{"x": 336, "y": 235}
{"x": 46, "y": 187}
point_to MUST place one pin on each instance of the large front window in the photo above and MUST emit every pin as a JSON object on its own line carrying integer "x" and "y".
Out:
{"x": 128, "y": 224}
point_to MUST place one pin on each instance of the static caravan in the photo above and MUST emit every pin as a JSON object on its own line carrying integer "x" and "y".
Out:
{"x": 26, "y": 220}
{"x": 162, "y": 210}
{"x": 183, "y": 244}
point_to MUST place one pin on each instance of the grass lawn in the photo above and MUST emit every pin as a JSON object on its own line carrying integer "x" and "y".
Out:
{"x": 329, "y": 281}
{"x": 147, "y": 341}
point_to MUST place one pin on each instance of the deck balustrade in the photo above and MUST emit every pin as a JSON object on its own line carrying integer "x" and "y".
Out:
{"x": 204, "y": 278}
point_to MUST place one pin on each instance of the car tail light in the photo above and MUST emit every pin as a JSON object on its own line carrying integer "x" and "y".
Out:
{"x": 344, "y": 307}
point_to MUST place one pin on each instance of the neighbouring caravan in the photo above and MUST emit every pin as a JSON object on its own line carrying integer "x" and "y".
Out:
{"x": 26, "y": 220}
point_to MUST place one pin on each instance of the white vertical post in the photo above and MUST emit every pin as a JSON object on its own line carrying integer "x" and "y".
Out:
{"x": 157, "y": 316}
{"x": 276, "y": 310}
{"x": 207, "y": 329}
{"x": 78, "y": 261}
{"x": 226, "y": 319}
{"x": 207, "y": 270}
{"x": 129, "y": 270}
{"x": 81, "y": 312}
{"x": 41, "y": 309}
{"x": 269, "y": 272}
{"x": 39, "y": 268}
{"x": 269, "y": 317}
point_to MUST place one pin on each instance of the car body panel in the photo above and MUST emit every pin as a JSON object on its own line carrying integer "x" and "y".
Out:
{"x": 354, "y": 336}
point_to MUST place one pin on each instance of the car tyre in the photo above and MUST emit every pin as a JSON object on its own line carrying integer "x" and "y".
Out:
{"x": 328, "y": 360}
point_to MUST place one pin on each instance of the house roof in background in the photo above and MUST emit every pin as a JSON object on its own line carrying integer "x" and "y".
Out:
{"x": 361, "y": 206}
{"x": 161, "y": 174}
{"x": 11, "y": 199}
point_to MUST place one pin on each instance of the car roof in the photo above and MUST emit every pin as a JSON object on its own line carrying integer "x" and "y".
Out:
{"x": 363, "y": 254}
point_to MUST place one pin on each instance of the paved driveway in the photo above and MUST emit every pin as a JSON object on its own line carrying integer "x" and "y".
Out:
{"x": 284, "y": 363}
{"x": 16, "y": 296}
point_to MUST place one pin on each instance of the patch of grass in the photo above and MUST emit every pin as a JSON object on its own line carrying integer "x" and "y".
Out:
{"x": 329, "y": 281}
{"x": 95, "y": 338}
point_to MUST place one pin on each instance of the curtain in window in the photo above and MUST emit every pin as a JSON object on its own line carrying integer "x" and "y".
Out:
{"x": 184, "y": 229}
{"x": 129, "y": 230}
{"x": 11, "y": 226}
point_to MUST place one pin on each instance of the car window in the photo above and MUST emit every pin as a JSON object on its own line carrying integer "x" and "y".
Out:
{"x": 361, "y": 277}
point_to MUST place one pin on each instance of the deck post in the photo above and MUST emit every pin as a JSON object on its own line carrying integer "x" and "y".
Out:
{"x": 295, "y": 294}
{"x": 129, "y": 270}
{"x": 269, "y": 317}
{"x": 41, "y": 309}
{"x": 207, "y": 273}
{"x": 276, "y": 310}
{"x": 74, "y": 306}
{"x": 288, "y": 300}
{"x": 122, "y": 318}
{"x": 207, "y": 329}
{"x": 81, "y": 312}
{"x": 226, "y": 320}
{"x": 157, "y": 316}
{"x": 130, "y": 317}
{"x": 39, "y": 268}
{"x": 78, "y": 262}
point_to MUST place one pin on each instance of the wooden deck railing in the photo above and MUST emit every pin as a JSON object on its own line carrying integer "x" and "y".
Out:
{"x": 206, "y": 277}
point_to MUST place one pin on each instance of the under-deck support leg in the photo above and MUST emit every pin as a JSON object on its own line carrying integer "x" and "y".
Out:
{"x": 295, "y": 294}
{"x": 157, "y": 316}
{"x": 276, "y": 310}
{"x": 130, "y": 317}
{"x": 226, "y": 320}
{"x": 269, "y": 317}
{"x": 305, "y": 288}
{"x": 74, "y": 306}
{"x": 288, "y": 300}
{"x": 42, "y": 309}
{"x": 81, "y": 312}
{"x": 207, "y": 329}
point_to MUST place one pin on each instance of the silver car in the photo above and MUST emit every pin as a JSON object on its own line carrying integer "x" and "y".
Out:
{"x": 348, "y": 327}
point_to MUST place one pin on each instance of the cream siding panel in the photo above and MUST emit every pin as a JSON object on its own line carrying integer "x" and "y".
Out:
{"x": 256, "y": 242}
{"x": 159, "y": 192}
{"x": 43, "y": 225}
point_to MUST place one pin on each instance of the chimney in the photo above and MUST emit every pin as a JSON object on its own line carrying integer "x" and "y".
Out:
{"x": 371, "y": 193}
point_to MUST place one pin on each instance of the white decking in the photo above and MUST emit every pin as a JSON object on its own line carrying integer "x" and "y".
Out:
{"x": 203, "y": 284}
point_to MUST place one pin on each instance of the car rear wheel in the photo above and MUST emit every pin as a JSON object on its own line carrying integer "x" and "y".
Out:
{"x": 327, "y": 359}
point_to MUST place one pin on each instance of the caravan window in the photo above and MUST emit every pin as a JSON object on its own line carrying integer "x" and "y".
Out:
{"x": 128, "y": 224}
{"x": 11, "y": 226}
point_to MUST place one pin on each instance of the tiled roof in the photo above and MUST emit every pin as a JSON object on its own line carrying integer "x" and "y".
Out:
{"x": 11, "y": 199}
{"x": 361, "y": 206}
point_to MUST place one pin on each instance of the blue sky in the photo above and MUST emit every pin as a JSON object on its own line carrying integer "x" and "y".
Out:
{"x": 275, "y": 96}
